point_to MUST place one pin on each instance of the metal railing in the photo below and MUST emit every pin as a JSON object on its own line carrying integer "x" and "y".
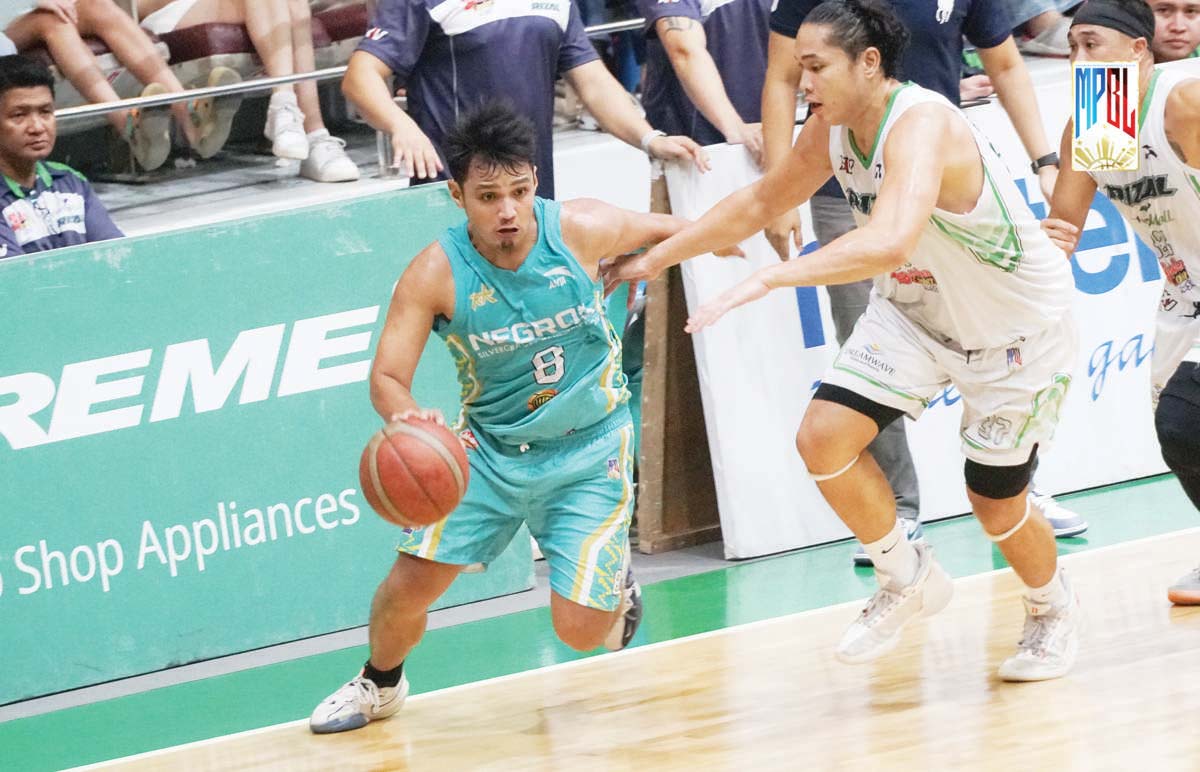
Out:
{"x": 263, "y": 84}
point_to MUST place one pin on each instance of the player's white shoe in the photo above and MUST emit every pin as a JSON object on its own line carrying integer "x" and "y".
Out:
{"x": 877, "y": 629}
{"x": 285, "y": 127}
{"x": 327, "y": 160}
{"x": 1064, "y": 522}
{"x": 1049, "y": 643}
{"x": 629, "y": 613}
{"x": 357, "y": 704}
{"x": 1186, "y": 591}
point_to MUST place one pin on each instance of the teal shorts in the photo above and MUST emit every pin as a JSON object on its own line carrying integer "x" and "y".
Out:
{"x": 574, "y": 492}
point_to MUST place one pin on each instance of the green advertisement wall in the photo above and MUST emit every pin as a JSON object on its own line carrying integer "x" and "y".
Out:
{"x": 181, "y": 417}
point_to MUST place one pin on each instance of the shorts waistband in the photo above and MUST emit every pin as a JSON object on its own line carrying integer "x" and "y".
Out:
{"x": 613, "y": 421}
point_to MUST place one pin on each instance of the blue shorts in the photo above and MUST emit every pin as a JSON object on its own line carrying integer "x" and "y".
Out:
{"x": 574, "y": 492}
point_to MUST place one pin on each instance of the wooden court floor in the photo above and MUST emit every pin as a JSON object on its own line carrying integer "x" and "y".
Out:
{"x": 769, "y": 695}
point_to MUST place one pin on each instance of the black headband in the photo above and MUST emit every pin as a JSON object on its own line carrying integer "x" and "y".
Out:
{"x": 1105, "y": 13}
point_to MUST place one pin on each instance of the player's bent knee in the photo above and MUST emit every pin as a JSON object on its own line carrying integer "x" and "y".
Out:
{"x": 999, "y": 482}
{"x": 581, "y": 628}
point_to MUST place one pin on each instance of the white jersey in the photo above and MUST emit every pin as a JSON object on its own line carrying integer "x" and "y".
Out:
{"x": 980, "y": 280}
{"x": 1161, "y": 201}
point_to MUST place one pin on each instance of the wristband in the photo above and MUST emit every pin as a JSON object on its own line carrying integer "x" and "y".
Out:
{"x": 1050, "y": 159}
{"x": 649, "y": 137}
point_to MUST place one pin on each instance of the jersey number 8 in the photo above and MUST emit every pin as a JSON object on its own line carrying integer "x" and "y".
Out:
{"x": 549, "y": 365}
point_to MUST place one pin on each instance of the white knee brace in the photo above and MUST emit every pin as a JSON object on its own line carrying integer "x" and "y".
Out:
{"x": 838, "y": 473}
{"x": 997, "y": 538}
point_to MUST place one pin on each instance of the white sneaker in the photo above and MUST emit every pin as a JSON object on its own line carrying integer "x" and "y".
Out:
{"x": 1186, "y": 591}
{"x": 877, "y": 629}
{"x": 327, "y": 160}
{"x": 357, "y": 704}
{"x": 285, "y": 127}
{"x": 1049, "y": 642}
{"x": 1064, "y": 522}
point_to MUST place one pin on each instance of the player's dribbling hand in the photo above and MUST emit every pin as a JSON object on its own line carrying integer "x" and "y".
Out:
{"x": 421, "y": 414}
{"x": 781, "y": 231}
{"x": 750, "y": 290}
{"x": 678, "y": 148}
{"x": 414, "y": 155}
{"x": 1064, "y": 235}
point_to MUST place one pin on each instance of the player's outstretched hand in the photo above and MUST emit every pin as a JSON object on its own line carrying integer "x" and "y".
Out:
{"x": 1064, "y": 235}
{"x": 748, "y": 291}
{"x": 679, "y": 148}
{"x": 414, "y": 155}
{"x": 420, "y": 413}
{"x": 644, "y": 266}
{"x": 781, "y": 231}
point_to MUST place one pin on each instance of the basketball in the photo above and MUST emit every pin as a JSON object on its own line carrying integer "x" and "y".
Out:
{"x": 413, "y": 472}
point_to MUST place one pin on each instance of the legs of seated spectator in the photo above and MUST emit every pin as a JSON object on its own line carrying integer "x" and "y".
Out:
{"x": 134, "y": 49}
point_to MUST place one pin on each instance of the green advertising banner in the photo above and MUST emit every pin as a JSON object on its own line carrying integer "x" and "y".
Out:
{"x": 181, "y": 418}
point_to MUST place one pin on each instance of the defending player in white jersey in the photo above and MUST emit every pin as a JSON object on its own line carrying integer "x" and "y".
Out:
{"x": 969, "y": 291}
{"x": 1161, "y": 201}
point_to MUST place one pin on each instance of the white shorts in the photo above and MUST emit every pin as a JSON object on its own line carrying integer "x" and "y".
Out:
{"x": 1011, "y": 395}
{"x": 167, "y": 18}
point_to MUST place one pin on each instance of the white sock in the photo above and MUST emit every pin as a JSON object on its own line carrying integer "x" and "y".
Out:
{"x": 895, "y": 555}
{"x": 313, "y": 136}
{"x": 285, "y": 96}
{"x": 1053, "y": 593}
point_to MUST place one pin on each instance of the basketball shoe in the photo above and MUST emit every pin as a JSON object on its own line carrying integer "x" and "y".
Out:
{"x": 877, "y": 629}
{"x": 356, "y": 704}
{"x": 1049, "y": 643}
{"x": 916, "y": 535}
{"x": 1064, "y": 522}
{"x": 629, "y": 615}
{"x": 1186, "y": 591}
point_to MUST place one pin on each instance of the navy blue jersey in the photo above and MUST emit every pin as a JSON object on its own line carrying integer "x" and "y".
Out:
{"x": 452, "y": 55}
{"x": 934, "y": 55}
{"x": 60, "y": 210}
{"x": 736, "y": 33}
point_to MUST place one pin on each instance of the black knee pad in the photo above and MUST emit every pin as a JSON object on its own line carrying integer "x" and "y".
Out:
{"x": 882, "y": 415}
{"x": 999, "y": 482}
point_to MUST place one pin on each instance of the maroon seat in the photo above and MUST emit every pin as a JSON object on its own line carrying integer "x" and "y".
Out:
{"x": 97, "y": 46}
{"x": 345, "y": 22}
{"x": 201, "y": 41}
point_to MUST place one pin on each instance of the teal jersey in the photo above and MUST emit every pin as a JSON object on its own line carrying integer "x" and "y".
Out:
{"x": 537, "y": 357}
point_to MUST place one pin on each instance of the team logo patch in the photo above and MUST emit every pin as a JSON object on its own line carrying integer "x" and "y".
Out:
{"x": 468, "y": 439}
{"x": 614, "y": 469}
{"x": 481, "y": 298}
{"x": 376, "y": 33}
{"x": 1014, "y": 358}
{"x": 540, "y": 398}
{"x": 1105, "y": 95}
{"x": 557, "y": 276}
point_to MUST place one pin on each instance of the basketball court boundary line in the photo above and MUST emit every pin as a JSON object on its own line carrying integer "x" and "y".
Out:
{"x": 623, "y": 653}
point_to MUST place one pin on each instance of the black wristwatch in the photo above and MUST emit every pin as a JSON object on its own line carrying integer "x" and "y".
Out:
{"x": 1050, "y": 159}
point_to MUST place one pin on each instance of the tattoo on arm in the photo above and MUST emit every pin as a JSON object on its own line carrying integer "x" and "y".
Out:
{"x": 679, "y": 24}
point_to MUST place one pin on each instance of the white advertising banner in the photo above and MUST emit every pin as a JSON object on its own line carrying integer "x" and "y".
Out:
{"x": 760, "y": 364}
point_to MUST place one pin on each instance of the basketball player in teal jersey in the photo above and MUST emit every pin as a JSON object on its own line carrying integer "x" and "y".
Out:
{"x": 968, "y": 291}
{"x": 514, "y": 292}
{"x": 1161, "y": 201}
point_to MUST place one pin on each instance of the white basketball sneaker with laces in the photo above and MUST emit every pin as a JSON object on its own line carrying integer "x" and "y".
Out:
{"x": 877, "y": 629}
{"x": 357, "y": 704}
{"x": 285, "y": 127}
{"x": 1049, "y": 643}
{"x": 327, "y": 160}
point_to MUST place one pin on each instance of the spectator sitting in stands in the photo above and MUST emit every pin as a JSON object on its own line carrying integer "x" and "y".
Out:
{"x": 45, "y": 205}
{"x": 61, "y": 25}
{"x": 1176, "y": 29}
{"x": 281, "y": 31}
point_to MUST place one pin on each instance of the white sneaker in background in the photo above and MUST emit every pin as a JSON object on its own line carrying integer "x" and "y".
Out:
{"x": 285, "y": 127}
{"x": 327, "y": 160}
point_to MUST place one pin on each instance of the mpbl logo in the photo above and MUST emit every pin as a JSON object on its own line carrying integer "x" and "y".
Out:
{"x": 1106, "y": 121}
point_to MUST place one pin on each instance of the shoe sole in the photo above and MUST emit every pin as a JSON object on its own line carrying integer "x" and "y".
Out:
{"x": 1074, "y": 530}
{"x": 154, "y": 122}
{"x": 1183, "y": 597}
{"x": 221, "y": 110}
{"x": 352, "y": 725}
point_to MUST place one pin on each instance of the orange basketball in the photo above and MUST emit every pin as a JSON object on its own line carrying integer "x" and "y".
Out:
{"x": 413, "y": 472}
